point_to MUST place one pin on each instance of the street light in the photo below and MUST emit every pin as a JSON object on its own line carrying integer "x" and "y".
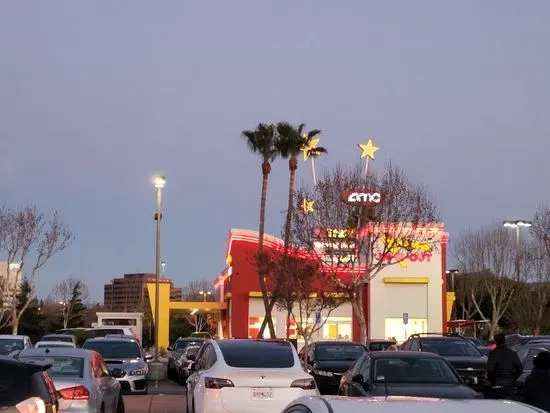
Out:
{"x": 159, "y": 183}
{"x": 517, "y": 225}
{"x": 163, "y": 265}
{"x": 452, "y": 273}
{"x": 205, "y": 294}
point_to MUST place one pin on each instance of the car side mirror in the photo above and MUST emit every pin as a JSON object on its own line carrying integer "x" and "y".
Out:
{"x": 192, "y": 366}
{"x": 148, "y": 357}
{"x": 117, "y": 373}
{"x": 359, "y": 379}
{"x": 191, "y": 356}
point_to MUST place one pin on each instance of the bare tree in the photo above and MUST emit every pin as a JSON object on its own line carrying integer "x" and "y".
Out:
{"x": 199, "y": 290}
{"x": 28, "y": 239}
{"x": 467, "y": 294}
{"x": 361, "y": 225}
{"x": 70, "y": 294}
{"x": 489, "y": 254}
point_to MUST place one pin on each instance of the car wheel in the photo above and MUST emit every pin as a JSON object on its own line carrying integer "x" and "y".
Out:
{"x": 120, "y": 404}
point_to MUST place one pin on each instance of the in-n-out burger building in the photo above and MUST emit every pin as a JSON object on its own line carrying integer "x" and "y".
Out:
{"x": 413, "y": 288}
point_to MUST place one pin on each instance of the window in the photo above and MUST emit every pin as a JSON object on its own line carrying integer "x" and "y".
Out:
{"x": 407, "y": 345}
{"x": 208, "y": 358}
{"x": 413, "y": 370}
{"x": 338, "y": 352}
{"x": 61, "y": 337}
{"x": 528, "y": 362}
{"x": 257, "y": 354}
{"x": 414, "y": 345}
{"x": 7, "y": 345}
{"x": 357, "y": 366}
{"x": 450, "y": 347}
{"x": 113, "y": 349}
{"x": 62, "y": 366}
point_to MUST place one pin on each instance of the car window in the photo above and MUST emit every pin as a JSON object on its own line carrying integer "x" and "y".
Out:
{"x": 257, "y": 354}
{"x": 209, "y": 357}
{"x": 357, "y": 366}
{"x": 365, "y": 368}
{"x": 414, "y": 345}
{"x": 450, "y": 347}
{"x": 61, "y": 366}
{"x": 67, "y": 339}
{"x": 407, "y": 345}
{"x": 192, "y": 350}
{"x": 338, "y": 352}
{"x": 413, "y": 370}
{"x": 528, "y": 361}
{"x": 113, "y": 349}
{"x": 7, "y": 345}
{"x": 180, "y": 346}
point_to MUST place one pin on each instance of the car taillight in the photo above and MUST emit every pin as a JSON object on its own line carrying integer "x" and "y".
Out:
{"x": 216, "y": 383}
{"x": 75, "y": 393}
{"x": 305, "y": 384}
{"x": 31, "y": 405}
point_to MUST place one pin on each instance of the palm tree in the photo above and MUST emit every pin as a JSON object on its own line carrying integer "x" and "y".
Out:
{"x": 263, "y": 141}
{"x": 291, "y": 142}
{"x": 311, "y": 150}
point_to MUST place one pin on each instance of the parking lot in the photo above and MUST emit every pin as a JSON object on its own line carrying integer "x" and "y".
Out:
{"x": 167, "y": 398}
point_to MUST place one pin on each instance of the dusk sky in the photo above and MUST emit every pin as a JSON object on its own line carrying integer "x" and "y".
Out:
{"x": 95, "y": 96}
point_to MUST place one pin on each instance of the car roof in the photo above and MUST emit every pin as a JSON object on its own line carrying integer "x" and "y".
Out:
{"x": 190, "y": 339}
{"x": 58, "y": 335}
{"x": 20, "y": 337}
{"x": 392, "y": 404}
{"x": 48, "y": 342}
{"x": 113, "y": 338}
{"x": 55, "y": 351}
{"x": 403, "y": 354}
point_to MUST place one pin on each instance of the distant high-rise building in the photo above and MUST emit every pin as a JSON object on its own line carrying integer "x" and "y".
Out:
{"x": 129, "y": 293}
{"x": 10, "y": 282}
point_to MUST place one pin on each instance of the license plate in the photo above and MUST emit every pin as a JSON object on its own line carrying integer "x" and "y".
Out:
{"x": 262, "y": 393}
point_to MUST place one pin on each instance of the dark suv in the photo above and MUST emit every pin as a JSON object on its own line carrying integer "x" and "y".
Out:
{"x": 176, "y": 352}
{"x": 460, "y": 352}
{"x": 26, "y": 387}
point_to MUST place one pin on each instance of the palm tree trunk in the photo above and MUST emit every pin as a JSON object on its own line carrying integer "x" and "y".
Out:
{"x": 292, "y": 165}
{"x": 261, "y": 258}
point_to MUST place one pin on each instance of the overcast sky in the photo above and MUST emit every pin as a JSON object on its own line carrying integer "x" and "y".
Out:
{"x": 97, "y": 95}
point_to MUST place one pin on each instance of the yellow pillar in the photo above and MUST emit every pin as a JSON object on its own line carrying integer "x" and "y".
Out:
{"x": 451, "y": 297}
{"x": 164, "y": 311}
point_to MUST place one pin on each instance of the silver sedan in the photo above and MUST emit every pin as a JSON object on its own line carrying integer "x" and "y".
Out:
{"x": 82, "y": 379}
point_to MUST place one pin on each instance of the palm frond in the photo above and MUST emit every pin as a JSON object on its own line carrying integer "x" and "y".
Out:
{"x": 262, "y": 140}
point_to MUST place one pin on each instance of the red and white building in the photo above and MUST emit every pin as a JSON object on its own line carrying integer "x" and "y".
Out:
{"x": 413, "y": 288}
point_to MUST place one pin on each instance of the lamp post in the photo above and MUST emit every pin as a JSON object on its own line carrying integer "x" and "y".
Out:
{"x": 517, "y": 225}
{"x": 452, "y": 273}
{"x": 163, "y": 265}
{"x": 159, "y": 182}
{"x": 205, "y": 294}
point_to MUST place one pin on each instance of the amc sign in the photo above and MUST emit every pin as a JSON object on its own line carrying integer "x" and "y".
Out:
{"x": 362, "y": 197}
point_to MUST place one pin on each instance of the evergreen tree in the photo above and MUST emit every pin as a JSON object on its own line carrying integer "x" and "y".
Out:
{"x": 32, "y": 322}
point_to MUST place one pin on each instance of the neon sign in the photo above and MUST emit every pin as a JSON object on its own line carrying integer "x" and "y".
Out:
{"x": 415, "y": 251}
{"x": 362, "y": 197}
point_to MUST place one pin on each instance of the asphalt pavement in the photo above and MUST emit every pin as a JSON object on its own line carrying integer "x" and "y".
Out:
{"x": 168, "y": 397}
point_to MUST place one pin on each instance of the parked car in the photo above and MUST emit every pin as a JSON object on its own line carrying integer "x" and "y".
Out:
{"x": 526, "y": 355}
{"x": 466, "y": 358}
{"x": 70, "y": 338}
{"x": 327, "y": 361}
{"x": 126, "y": 361}
{"x": 82, "y": 379}
{"x": 327, "y": 404}
{"x": 9, "y": 343}
{"x": 54, "y": 344}
{"x": 404, "y": 373}
{"x": 188, "y": 356}
{"x": 176, "y": 352}
{"x": 26, "y": 387}
{"x": 380, "y": 344}
{"x": 241, "y": 375}
{"x": 515, "y": 341}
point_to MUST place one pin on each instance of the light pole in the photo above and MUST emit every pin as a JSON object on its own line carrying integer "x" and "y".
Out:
{"x": 517, "y": 225}
{"x": 159, "y": 182}
{"x": 205, "y": 294}
{"x": 163, "y": 265}
{"x": 452, "y": 273}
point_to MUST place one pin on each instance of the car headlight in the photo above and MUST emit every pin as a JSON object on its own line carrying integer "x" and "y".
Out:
{"x": 138, "y": 372}
{"x": 323, "y": 373}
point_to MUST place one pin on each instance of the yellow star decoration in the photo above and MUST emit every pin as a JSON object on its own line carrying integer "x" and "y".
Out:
{"x": 368, "y": 149}
{"x": 307, "y": 206}
{"x": 309, "y": 149}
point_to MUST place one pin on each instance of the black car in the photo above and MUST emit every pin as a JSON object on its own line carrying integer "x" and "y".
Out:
{"x": 404, "y": 373}
{"x": 25, "y": 383}
{"x": 327, "y": 361}
{"x": 466, "y": 358}
{"x": 177, "y": 350}
{"x": 183, "y": 364}
{"x": 526, "y": 355}
{"x": 515, "y": 341}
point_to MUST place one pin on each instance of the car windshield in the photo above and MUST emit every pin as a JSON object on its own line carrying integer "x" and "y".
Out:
{"x": 7, "y": 345}
{"x": 413, "y": 370}
{"x": 114, "y": 349}
{"x": 257, "y": 354}
{"x": 338, "y": 352}
{"x": 60, "y": 337}
{"x": 62, "y": 366}
{"x": 180, "y": 346}
{"x": 451, "y": 348}
{"x": 53, "y": 345}
{"x": 528, "y": 363}
{"x": 192, "y": 350}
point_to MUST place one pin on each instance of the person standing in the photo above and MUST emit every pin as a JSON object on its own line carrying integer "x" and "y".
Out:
{"x": 536, "y": 390}
{"x": 503, "y": 369}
